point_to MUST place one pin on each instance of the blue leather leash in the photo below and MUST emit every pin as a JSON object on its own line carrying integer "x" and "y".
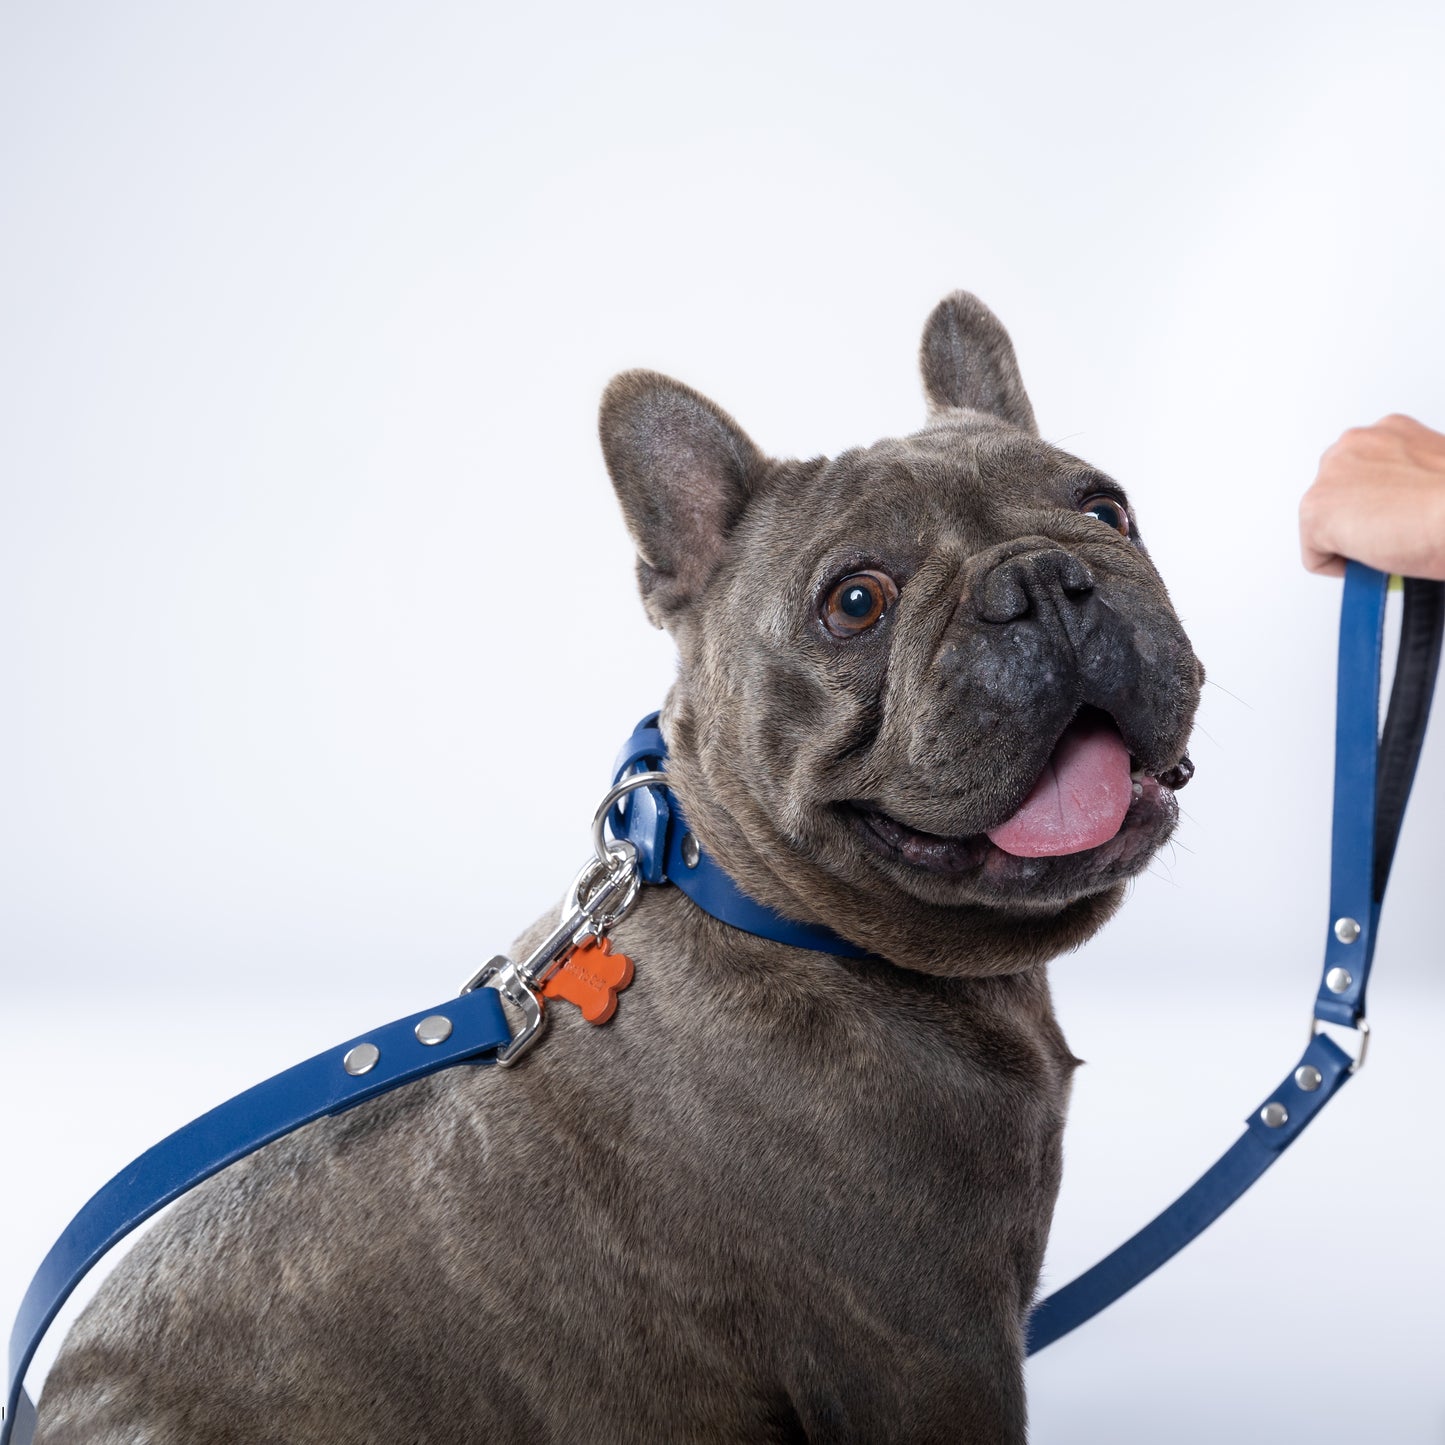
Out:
{"x": 1373, "y": 779}
{"x": 463, "y": 1030}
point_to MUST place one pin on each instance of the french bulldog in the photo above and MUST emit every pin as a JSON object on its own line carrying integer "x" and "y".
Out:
{"x": 932, "y": 696}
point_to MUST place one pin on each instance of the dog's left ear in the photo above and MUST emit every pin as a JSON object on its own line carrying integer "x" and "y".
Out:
{"x": 968, "y": 364}
{"x": 682, "y": 469}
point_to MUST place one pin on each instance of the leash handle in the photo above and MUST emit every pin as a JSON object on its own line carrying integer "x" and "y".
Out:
{"x": 1421, "y": 633}
{"x": 1350, "y": 939}
{"x": 468, "y": 1029}
{"x": 1374, "y": 773}
{"x": 1373, "y": 778}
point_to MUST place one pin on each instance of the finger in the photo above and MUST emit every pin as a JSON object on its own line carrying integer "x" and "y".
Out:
{"x": 1327, "y": 566}
{"x": 1318, "y": 560}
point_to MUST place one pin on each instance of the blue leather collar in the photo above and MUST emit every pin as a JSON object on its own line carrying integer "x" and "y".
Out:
{"x": 669, "y": 853}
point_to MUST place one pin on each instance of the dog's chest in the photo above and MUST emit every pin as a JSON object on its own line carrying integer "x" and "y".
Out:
{"x": 851, "y": 1202}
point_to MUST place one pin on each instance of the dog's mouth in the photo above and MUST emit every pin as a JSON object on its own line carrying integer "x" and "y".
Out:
{"x": 1091, "y": 792}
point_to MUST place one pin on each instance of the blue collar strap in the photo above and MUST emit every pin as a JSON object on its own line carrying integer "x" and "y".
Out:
{"x": 668, "y": 852}
{"x": 1372, "y": 782}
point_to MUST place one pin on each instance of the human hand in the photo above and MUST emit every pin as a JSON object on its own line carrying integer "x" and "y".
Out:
{"x": 1379, "y": 497}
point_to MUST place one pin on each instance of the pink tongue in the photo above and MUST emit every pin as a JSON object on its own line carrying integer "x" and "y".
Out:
{"x": 1079, "y": 800}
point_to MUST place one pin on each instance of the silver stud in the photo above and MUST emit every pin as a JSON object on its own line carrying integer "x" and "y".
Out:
{"x": 1337, "y": 980}
{"x": 690, "y": 850}
{"x": 1308, "y": 1078}
{"x": 1346, "y": 930}
{"x": 434, "y": 1029}
{"x": 1274, "y": 1115}
{"x": 361, "y": 1059}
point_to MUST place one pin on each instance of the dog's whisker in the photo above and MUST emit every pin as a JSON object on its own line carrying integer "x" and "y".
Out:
{"x": 1210, "y": 682}
{"x": 1164, "y": 877}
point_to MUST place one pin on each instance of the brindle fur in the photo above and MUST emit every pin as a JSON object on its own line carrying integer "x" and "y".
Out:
{"x": 782, "y": 1196}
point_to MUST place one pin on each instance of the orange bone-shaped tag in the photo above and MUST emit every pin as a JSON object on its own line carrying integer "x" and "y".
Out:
{"x": 592, "y": 977}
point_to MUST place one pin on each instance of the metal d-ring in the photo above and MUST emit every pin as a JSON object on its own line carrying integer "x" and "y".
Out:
{"x": 1362, "y": 1026}
{"x": 606, "y": 852}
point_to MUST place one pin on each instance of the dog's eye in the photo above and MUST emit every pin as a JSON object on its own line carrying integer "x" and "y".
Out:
{"x": 857, "y": 602}
{"x": 1109, "y": 512}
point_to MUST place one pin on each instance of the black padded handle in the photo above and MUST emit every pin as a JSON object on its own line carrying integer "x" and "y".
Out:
{"x": 1422, "y": 627}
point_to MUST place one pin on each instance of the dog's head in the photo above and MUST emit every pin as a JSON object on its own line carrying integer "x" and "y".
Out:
{"x": 932, "y": 692}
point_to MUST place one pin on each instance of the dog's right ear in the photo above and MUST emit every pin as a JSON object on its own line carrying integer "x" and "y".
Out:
{"x": 682, "y": 469}
{"x": 968, "y": 364}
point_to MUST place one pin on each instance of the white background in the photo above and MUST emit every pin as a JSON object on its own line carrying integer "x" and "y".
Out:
{"x": 317, "y": 624}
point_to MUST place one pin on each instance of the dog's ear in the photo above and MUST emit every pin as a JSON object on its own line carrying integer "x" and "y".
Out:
{"x": 682, "y": 469}
{"x": 968, "y": 364}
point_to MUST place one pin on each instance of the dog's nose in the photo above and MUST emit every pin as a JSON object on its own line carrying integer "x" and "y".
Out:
{"x": 1024, "y": 585}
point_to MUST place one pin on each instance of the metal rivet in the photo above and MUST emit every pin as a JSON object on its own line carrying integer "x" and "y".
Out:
{"x": 434, "y": 1029}
{"x": 361, "y": 1059}
{"x": 1274, "y": 1115}
{"x": 1346, "y": 930}
{"x": 690, "y": 851}
{"x": 1308, "y": 1078}
{"x": 1337, "y": 980}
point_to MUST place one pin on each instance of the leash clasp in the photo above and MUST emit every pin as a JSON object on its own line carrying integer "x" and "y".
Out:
{"x": 601, "y": 894}
{"x": 508, "y": 980}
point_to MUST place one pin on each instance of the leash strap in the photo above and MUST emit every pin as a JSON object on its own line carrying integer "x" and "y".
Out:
{"x": 1373, "y": 777}
{"x": 463, "y": 1030}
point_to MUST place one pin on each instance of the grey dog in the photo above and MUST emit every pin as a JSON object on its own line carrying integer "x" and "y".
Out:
{"x": 933, "y": 696}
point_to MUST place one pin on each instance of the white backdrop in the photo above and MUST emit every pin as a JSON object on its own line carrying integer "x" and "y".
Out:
{"x": 317, "y": 625}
